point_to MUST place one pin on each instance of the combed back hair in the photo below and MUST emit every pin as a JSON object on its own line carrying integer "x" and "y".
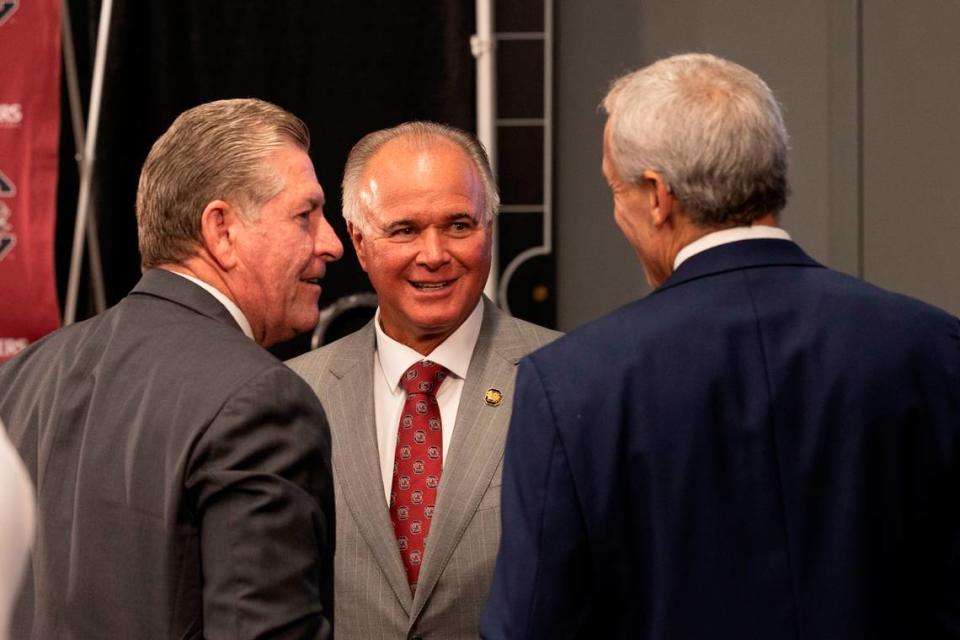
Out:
{"x": 216, "y": 151}
{"x": 424, "y": 135}
{"x": 711, "y": 128}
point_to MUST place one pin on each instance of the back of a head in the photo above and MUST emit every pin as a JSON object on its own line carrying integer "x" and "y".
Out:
{"x": 711, "y": 128}
{"x": 218, "y": 150}
{"x": 423, "y": 134}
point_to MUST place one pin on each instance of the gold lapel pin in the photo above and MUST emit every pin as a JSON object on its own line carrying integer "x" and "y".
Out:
{"x": 493, "y": 397}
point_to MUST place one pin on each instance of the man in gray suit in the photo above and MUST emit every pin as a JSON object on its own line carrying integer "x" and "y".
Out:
{"x": 182, "y": 472}
{"x": 419, "y": 508}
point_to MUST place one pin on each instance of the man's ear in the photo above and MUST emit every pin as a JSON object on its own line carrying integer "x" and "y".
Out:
{"x": 358, "y": 239}
{"x": 662, "y": 202}
{"x": 218, "y": 230}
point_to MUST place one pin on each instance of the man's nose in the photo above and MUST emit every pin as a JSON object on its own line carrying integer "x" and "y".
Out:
{"x": 433, "y": 249}
{"x": 326, "y": 244}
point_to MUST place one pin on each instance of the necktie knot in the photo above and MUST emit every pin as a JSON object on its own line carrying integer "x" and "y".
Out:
{"x": 423, "y": 377}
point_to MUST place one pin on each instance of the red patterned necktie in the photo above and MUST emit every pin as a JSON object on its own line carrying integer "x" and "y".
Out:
{"x": 417, "y": 464}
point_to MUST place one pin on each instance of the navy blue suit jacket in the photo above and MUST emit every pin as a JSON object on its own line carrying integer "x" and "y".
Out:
{"x": 761, "y": 448}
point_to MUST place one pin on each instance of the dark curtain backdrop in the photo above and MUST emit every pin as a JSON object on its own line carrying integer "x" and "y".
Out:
{"x": 346, "y": 68}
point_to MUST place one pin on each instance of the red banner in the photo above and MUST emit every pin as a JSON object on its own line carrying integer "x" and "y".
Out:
{"x": 29, "y": 134}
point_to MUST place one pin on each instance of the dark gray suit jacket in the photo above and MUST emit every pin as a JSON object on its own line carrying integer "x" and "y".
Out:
{"x": 373, "y": 597}
{"x": 182, "y": 474}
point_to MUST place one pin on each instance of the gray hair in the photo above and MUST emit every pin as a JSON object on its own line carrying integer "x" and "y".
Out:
{"x": 218, "y": 150}
{"x": 423, "y": 134}
{"x": 713, "y": 130}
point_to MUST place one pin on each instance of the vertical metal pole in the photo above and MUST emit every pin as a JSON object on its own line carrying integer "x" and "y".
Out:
{"x": 548, "y": 127}
{"x": 483, "y": 46}
{"x": 89, "y": 160}
{"x": 76, "y": 119}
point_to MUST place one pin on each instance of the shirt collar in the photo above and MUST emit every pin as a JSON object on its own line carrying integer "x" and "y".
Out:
{"x": 224, "y": 300}
{"x": 725, "y": 236}
{"x": 454, "y": 353}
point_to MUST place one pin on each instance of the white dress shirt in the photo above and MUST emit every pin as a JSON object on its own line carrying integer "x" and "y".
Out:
{"x": 225, "y": 301}
{"x": 391, "y": 359}
{"x": 17, "y": 525}
{"x": 725, "y": 236}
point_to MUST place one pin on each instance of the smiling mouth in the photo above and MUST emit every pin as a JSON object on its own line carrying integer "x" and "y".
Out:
{"x": 314, "y": 281}
{"x": 431, "y": 286}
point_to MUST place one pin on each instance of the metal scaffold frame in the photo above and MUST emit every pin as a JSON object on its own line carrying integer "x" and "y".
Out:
{"x": 85, "y": 140}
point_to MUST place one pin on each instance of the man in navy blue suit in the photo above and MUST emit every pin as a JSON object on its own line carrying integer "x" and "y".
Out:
{"x": 762, "y": 447}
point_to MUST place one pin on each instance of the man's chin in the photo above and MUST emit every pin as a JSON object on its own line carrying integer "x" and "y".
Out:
{"x": 308, "y": 325}
{"x": 295, "y": 328}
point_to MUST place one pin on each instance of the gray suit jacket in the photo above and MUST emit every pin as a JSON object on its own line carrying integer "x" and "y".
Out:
{"x": 182, "y": 474}
{"x": 373, "y": 599}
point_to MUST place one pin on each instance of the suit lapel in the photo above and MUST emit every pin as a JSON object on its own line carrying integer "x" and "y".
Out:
{"x": 477, "y": 446}
{"x": 357, "y": 459}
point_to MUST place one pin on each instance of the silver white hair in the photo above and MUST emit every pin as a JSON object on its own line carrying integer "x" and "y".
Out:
{"x": 711, "y": 128}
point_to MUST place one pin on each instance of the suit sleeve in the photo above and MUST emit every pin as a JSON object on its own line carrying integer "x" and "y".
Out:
{"x": 262, "y": 488}
{"x": 540, "y": 584}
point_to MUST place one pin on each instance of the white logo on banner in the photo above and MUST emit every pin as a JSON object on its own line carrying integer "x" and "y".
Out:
{"x": 10, "y": 347}
{"x": 7, "y": 9}
{"x": 7, "y": 238}
{"x": 11, "y": 114}
{"x": 5, "y": 218}
{"x": 7, "y": 188}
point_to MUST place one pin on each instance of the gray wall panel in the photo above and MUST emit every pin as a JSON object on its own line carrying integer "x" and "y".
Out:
{"x": 911, "y": 66}
{"x": 787, "y": 43}
{"x": 596, "y": 269}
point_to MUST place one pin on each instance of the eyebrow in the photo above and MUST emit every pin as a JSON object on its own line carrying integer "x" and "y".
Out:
{"x": 397, "y": 224}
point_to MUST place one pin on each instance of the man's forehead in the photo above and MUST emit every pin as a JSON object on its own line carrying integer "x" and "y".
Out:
{"x": 316, "y": 198}
{"x": 606, "y": 165}
{"x": 403, "y": 180}
{"x": 411, "y": 154}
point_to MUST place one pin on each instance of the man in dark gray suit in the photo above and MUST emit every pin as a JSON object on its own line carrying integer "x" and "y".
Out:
{"x": 416, "y": 548}
{"x": 182, "y": 472}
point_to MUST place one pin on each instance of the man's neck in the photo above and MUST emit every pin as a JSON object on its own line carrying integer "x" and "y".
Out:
{"x": 196, "y": 268}
{"x": 726, "y": 236}
{"x": 427, "y": 344}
